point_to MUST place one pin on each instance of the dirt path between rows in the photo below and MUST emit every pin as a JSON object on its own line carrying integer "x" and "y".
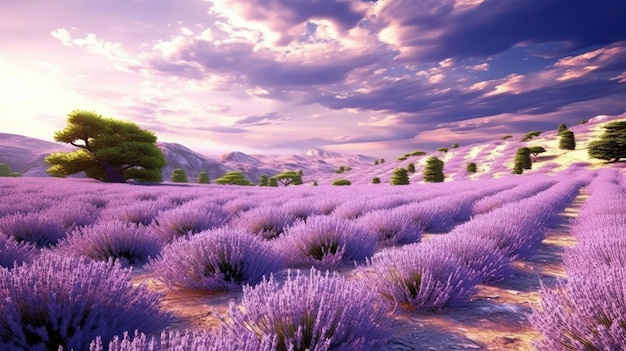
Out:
{"x": 495, "y": 319}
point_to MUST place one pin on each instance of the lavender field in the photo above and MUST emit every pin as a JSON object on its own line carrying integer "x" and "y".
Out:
{"x": 521, "y": 263}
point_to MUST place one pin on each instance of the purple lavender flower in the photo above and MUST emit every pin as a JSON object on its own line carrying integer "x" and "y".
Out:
{"x": 191, "y": 218}
{"x": 33, "y": 228}
{"x": 266, "y": 222}
{"x": 13, "y": 252}
{"x": 391, "y": 226}
{"x": 313, "y": 312}
{"x": 215, "y": 260}
{"x": 68, "y": 301}
{"x": 326, "y": 241}
{"x": 421, "y": 276}
{"x": 138, "y": 212}
{"x": 130, "y": 243}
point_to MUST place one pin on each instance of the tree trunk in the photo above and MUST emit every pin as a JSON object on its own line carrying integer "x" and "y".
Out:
{"x": 112, "y": 174}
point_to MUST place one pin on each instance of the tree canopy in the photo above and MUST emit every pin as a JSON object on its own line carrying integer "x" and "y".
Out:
{"x": 288, "y": 177}
{"x": 110, "y": 150}
{"x": 612, "y": 143}
{"x": 233, "y": 178}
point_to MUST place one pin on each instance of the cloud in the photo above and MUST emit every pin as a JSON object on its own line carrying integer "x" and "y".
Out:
{"x": 270, "y": 118}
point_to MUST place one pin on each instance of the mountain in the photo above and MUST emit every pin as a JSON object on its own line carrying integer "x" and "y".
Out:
{"x": 26, "y": 155}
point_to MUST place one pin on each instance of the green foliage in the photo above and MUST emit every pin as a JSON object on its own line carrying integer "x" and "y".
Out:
{"x": 375, "y": 180}
{"x": 301, "y": 172}
{"x": 288, "y": 177}
{"x": 562, "y": 127}
{"x": 536, "y": 150}
{"x": 531, "y": 135}
{"x": 417, "y": 153}
{"x": 233, "y": 178}
{"x": 410, "y": 168}
{"x": 507, "y": 137}
{"x": 5, "y": 170}
{"x": 272, "y": 182}
{"x": 382, "y": 160}
{"x": 179, "y": 176}
{"x": 341, "y": 169}
{"x": 455, "y": 146}
{"x": 376, "y": 163}
{"x": 402, "y": 158}
{"x": 567, "y": 141}
{"x": 522, "y": 160}
{"x": 15, "y": 174}
{"x": 442, "y": 149}
{"x": 342, "y": 182}
{"x": 110, "y": 150}
{"x": 315, "y": 183}
{"x": 471, "y": 167}
{"x": 612, "y": 143}
{"x": 348, "y": 169}
{"x": 400, "y": 176}
{"x": 203, "y": 178}
{"x": 433, "y": 171}
{"x": 264, "y": 180}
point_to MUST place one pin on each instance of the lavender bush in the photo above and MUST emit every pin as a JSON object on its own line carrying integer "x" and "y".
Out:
{"x": 314, "y": 311}
{"x": 266, "y": 222}
{"x": 137, "y": 212}
{"x": 68, "y": 301}
{"x": 391, "y": 226}
{"x": 190, "y": 218}
{"x": 129, "y": 243}
{"x": 32, "y": 228}
{"x": 326, "y": 241}
{"x": 421, "y": 276}
{"x": 187, "y": 341}
{"x": 215, "y": 260}
{"x": 13, "y": 252}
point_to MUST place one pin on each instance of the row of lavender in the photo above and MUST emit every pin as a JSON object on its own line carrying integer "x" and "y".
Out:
{"x": 588, "y": 311}
{"x": 239, "y": 236}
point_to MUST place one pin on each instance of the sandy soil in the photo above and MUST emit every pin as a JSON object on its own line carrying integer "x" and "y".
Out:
{"x": 495, "y": 319}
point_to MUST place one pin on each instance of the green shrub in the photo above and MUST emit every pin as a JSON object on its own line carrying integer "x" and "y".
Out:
{"x": 417, "y": 153}
{"x": 433, "y": 172}
{"x": 471, "y": 167}
{"x": 522, "y": 160}
{"x": 264, "y": 180}
{"x": 562, "y": 127}
{"x": 410, "y": 168}
{"x": 315, "y": 183}
{"x": 612, "y": 143}
{"x": 530, "y": 135}
{"x": 402, "y": 158}
{"x": 179, "y": 176}
{"x": 342, "y": 182}
{"x": 5, "y": 170}
{"x": 203, "y": 178}
{"x": 400, "y": 176}
{"x": 443, "y": 149}
{"x": 507, "y": 137}
{"x": 455, "y": 146}
{"x": 233, "y": 178}
{"x": 375, "y": 180}
{"x": 567, "y": 141}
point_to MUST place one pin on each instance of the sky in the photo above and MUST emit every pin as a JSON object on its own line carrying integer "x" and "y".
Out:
{"x": 379, "y": 78}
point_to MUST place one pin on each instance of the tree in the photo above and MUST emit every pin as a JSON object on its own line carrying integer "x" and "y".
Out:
{"x": 522, "y": 160}
{"x": 179, "y": 176}
{"x": 203, "y": 178}
{"x": 233, "y": 178}
{"x": 376, "y": 163}
{"x": 417, "y": 153}
{"x": 341, "y": 170}
{"x": 382, "y": 160}
{"x": 410, "y": 168}
{"x": 375, "y": 180}
{"x": 562, "y": 127}
{"x": 612, "y": 143}
{"x": 5, "y": 170}
{"x": 342, "y": 182}
{"x": 443, "y": 149}
{"x": 315, "y": 183}
{"x": 272, "y": 182}
{"x": 110, "y": 150}
{"x": 264, "y": 180}
{"x": 507, "y": 137}
{"x": 400, "y": 176}
{"x": 288, "y": 177}
{"x": 455, "y": 146}
{"x": 471, "y": 167}
{"x": 301, "y": 172}
{"x": 567, "y": 141}
{"x": 531, "y": 135}
{"x": 433, "y": 171}
{"x": 536, "y": 150}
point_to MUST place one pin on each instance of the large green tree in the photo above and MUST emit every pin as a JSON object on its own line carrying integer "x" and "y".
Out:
{"x": 289, "y": 177}
{"x": 612, "y": 143}
{"x": 110, "y": 150}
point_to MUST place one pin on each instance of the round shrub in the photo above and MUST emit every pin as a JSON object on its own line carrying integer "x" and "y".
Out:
{"x": 421, "y": 276}
{"x": 313, "y": 312}
{"x": 471, "y": 167}
{"x": 326, "y": 241}
{"x": 266, "y": 222}
{"x": 215, "y": 260}
{"x": 433, "y": 171}
{"x": 190, "y": 218}
{"x": 391, "y": 226}
{"x": 137, "y": 212}
{"x": 342, "y": 182}
{"x": 13, "y": 252}
{"x": 70, "y": 215}
{"x": 376, "y": 180}
{"x": 129, "y": 243}
{"x": 68, "y": 301}
{"x": 32, "y": 228}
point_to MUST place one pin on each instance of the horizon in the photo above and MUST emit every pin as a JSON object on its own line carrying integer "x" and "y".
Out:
{"x": 377, "y": 78}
